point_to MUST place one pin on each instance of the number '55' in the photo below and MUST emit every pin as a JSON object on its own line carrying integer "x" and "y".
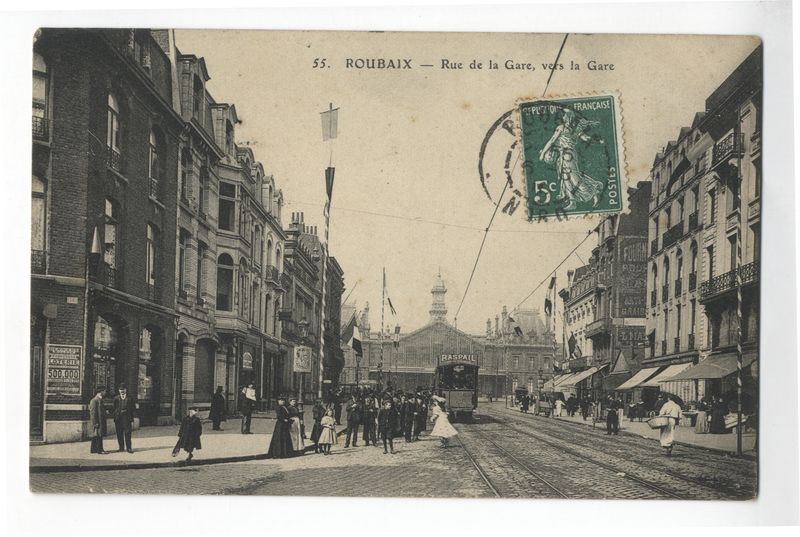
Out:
{"x": 319, "y": 63}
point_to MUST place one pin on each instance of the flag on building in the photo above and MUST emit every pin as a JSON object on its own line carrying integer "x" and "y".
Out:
{"x": 329, "y": 173}
{"x": 514, "y": 325}
{"x": 330, "y": 123}
{"x": 391, "y": 307}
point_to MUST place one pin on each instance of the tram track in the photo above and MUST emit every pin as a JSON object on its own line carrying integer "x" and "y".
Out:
{"x": 480, "y": 470}
{"x": 728, "y": 492}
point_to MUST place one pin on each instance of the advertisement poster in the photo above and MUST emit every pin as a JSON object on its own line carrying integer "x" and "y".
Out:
{"x": 302, "y": 360}
{"x": 63, "y": 370}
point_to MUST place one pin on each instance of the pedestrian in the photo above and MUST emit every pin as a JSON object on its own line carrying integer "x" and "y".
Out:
{"x": 296, "y": 430}
{"x": 584, "y": 407}
{"x": 189, "y": 435}
{"x": 571, "y": 404}
{"x": 631, "y": 410}
{"x": 424, "y": 398}
{"x": 701, "y": 425}
{"x": 387, "y": 424}
{"x": 396, "y": 408}
{"x": 526, "y": 403}
{"x": 353, "y": 421}
{"x": 420, "y": 411}
{"x": 719, "y": 409}
{"x": 441, "y": 425}
{"x": 97, "y": 419}
{"x": 317, "y": 413}
{"x": 217, "y": 412}
{"x": 327, "y": 435}
{"x": 407, "y": 417}
{"x": 247, "y": 402}
{"x": 662, "y": 398}
{"x": 535, "y": 402}
{"x": 672, "y": 411}
{"x": 612, "y": 416}
{"x": 337, "y": 407}
{"x": 124, "y": 407}
{"x": 369, "y": 416}
{"x": 280, "y": 446}
{"x": 559, "y": 406}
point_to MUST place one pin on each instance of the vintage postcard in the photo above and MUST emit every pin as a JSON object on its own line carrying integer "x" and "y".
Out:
{"x": 486, "y": 265}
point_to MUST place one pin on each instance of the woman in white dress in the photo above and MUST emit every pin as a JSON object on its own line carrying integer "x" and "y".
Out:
{"x": 559, "y": 407}
{"x": 672, "y": 411}
{"x": 441, "y": 425}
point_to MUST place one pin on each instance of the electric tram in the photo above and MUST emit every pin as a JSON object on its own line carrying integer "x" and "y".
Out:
{"x": 457, "y": 382}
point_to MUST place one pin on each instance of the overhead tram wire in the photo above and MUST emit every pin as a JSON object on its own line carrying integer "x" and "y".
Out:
{"x": 497, "y": 206}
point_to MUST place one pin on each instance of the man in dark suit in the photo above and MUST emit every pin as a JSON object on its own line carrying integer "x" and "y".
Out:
{"x": 124, "y": 407}
{"x": 368, "y": 416}
{"x": 353, "y": 421}
{"x": 97, "y": 419}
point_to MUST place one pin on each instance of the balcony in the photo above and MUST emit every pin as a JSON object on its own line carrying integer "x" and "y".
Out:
{"x": 693, "y": 221}
{"x": 729, "y": 147}
{"x": 678, "y": 287}
{"x": 114, "y": 159}
{"x": 677, "y": 342}
{"x": 724, "y": 283}
{"x": 690, "y": 345}
{"x": 653, "y": 296}
{"x": 38, "y": 261}
{"x": 692, "y": 281}
{"x": 598, "y": 327}
{"x": 664, "y": 347}
{"x": 672, "y": 235}
{"x": 107, "y": 275}
{"x": 654, "y": 247}
{"x": 41, "y": 128}
{"x": 273, "y": 275}
{"x": 665, "y": 292}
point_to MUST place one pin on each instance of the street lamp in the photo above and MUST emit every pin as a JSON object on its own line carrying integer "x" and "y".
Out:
{"x": 303, "y": 327}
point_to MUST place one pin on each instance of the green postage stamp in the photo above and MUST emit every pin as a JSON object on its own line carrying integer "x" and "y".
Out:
{"x": 573, "y": 155}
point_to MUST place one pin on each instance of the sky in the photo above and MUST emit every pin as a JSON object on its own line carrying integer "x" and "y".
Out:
{"x": 407, "y": 195}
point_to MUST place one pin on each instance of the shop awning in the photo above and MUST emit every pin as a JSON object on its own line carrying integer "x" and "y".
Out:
{"x": 638, "y": 378}
{"x": 715, "y": 367}
{"x": 666, "y": 375}
{"x": 577, "y": 377}
{"x": 551, "y": 384}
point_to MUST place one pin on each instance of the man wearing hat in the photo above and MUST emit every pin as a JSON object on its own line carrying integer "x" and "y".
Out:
{"x": 97, "y": 418}
{"x": 124, "y": 407}
{"x": 217, "y": 413}
{"x": 369, "y": 415}
{"x": 353, "y": 421}
{"x": 248, "y": 401}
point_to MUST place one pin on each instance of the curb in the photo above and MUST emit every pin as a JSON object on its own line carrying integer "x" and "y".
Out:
{"x": 151, "y": 465}
{"x": 684, "y": 444}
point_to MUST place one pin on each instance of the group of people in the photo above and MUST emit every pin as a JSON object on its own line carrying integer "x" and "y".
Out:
{"x": 122, "y": 413}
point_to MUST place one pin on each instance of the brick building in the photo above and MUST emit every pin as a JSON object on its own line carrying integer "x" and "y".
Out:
{"x": 105, "y": 160}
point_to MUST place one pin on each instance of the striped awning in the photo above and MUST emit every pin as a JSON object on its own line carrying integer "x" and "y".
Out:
{"x": 715, "y": 367}
{"x": 666, "y": 375}
{"x": 638, "y": 378}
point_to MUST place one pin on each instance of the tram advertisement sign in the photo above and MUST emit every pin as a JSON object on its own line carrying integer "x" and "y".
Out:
{"x": 63, "y": 370}
{"x": 459, "y": 358}
{"x": 302, "y": 359}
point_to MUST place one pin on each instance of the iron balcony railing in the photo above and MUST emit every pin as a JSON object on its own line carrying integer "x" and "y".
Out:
{"x": 692, "y": 281}
{"x": 273, "y": 274}
{"x": 114, "y": 159}
{"x": 672, "y": 235}
{"x": 38, "y": 261}
{"x": 693, "y": 221}
{"x": 678, "y": 287}
{"x": 41, "y": 128}
{"x": 730, "y": 146}
{"x": 727, "y": 282}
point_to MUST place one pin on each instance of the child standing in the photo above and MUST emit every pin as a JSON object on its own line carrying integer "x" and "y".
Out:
{"x": 189, "y": 435}
{"x": 327, "y": 435}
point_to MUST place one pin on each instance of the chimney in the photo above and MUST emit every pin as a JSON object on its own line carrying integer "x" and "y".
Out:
{"x": 488, "y": 328}
{"x": 504, "y": 317}
{"x": 496, "y": 325}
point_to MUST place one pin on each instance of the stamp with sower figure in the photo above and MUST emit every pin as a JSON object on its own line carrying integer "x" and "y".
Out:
{"x": 573, "y": 155}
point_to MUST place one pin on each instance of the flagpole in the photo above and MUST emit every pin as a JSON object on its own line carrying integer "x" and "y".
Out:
{"x": 328, "y": 135}
{"x": 383, "y": 302}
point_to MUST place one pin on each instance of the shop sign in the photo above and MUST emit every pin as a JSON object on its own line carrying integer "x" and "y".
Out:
{"x": 63, "y": 370}
{"x": 302, "y": 359}
{"x": 458, "y": 358}
{"x": 247, "y": 361}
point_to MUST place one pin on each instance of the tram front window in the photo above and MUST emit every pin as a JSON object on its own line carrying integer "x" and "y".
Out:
{"x": 458, "y": 378}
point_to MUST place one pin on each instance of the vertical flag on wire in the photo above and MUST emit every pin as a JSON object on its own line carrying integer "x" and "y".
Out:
{"x": 548, "y": 304}
{"x": 330, "y": 123}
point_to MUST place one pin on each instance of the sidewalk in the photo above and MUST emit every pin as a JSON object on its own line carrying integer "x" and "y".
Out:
{"x": 683, "y": 435}
{"x": 152, "y": 447}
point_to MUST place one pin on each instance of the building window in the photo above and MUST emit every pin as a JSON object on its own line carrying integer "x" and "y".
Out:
{"x": 227, "y": 206}
{"x": 201, "y": 189}
{"x": 732, "y": 252}
{"x": 156, "y": 155}
{"x": 694, "y": 257}
{"x": 197, "y": 99}
{"x": 38, "y": 221}
{"x": 152, "y": 253}
{"x": 183, "y": 244}
{"x": 712, "y": 206}
{"x": 269, "y": 252}
{"x": 680, "y": 210}
{"x": 186, "y": 174}
{"x": 710, "y": 261}
{"x": 268, "y": 323}
{"x": 40, "y": 112}
{"x": 224, "y": 282}
{"x": 243, "y": 288}
{"x": 278, "y": 259}
{"x": 110, "y": 234}
{"x": 668, "y": 218}
{"x": 113, "y": 133}
{"x": 229, "y": 138}
{"x": 201, "y": 253}
{"x": 146, "y": 366}
{"x": 733, "y": 193}
{"x": 104, "y": 354}
{"x": 757, "y": 178}
{"x": 755, "y": 230}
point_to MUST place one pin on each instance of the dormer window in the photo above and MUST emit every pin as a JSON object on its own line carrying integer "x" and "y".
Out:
{"x": 112, "y": 132}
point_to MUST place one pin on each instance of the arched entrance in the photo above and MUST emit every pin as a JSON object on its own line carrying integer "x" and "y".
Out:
{"x": 109, "y": 357}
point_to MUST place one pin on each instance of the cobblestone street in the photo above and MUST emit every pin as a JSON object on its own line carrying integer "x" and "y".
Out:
{"x": 501, "y": 454}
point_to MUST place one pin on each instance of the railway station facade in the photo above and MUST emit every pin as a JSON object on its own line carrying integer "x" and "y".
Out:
{"x": 507, "y": 358}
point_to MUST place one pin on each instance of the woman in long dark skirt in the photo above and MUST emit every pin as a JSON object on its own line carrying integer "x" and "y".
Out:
{"x": 719, "y": 409}
{"x": 318, "y": 412}
{"x": 280, "y": 447}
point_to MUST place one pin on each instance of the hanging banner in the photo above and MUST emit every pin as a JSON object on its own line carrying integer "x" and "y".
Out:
{"x": 63, "y": 370}
{"x": 302, "y": 360}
